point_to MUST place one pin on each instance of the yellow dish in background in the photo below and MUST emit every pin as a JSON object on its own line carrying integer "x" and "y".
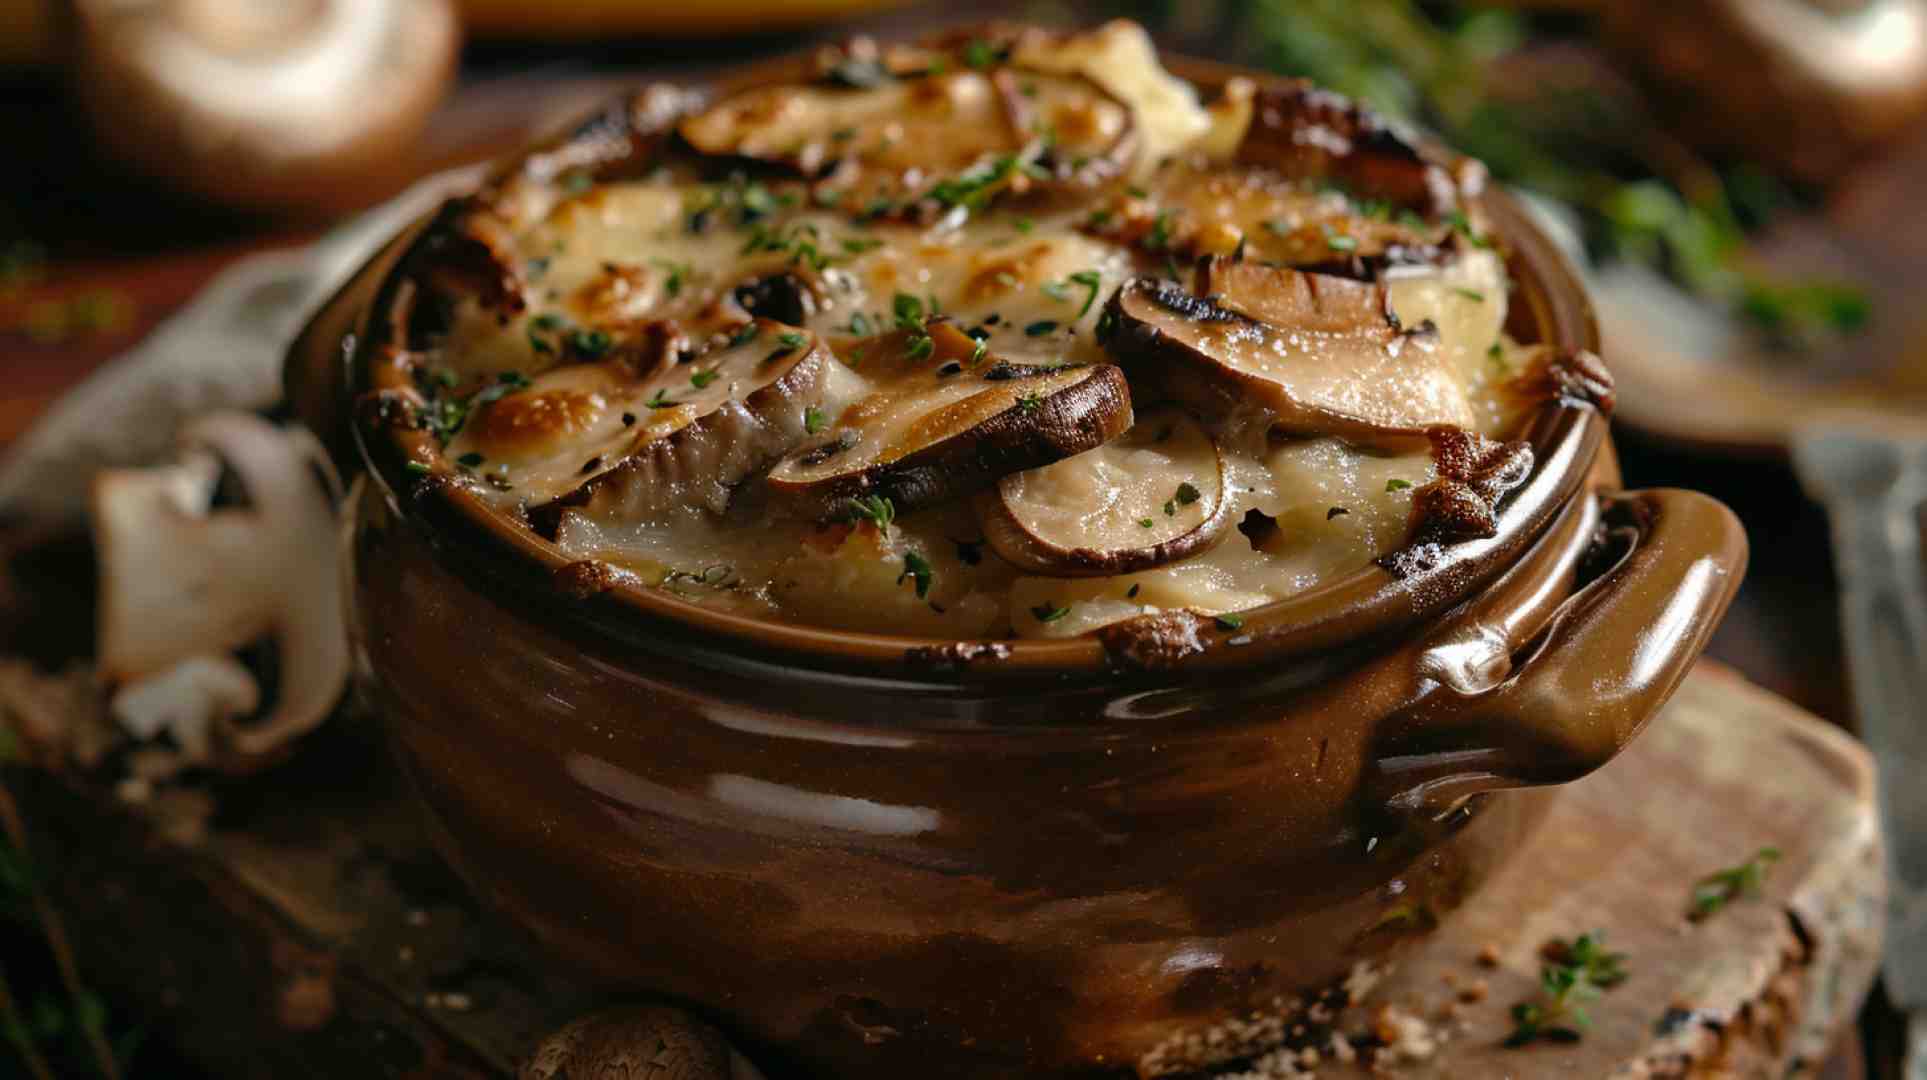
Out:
{"x": 590, "y": 18}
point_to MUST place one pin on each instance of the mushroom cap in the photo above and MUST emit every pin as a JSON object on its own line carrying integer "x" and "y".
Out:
{"x": 637, "y": 1041}
{"x": 293, "y": 107}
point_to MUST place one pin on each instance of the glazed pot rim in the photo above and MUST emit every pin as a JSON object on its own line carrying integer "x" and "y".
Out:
{"x": 1565, "y": 435}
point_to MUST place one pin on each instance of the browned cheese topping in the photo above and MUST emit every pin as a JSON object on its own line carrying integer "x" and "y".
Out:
{"x": 1005, "y": 334}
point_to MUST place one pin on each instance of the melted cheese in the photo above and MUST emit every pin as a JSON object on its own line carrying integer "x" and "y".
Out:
{"x": 1032, "y": 281}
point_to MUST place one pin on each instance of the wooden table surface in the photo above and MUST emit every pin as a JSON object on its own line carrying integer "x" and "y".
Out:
{"x": 116, "y": 246}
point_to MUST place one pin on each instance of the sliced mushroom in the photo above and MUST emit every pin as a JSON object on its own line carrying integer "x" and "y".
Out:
{"x": 1192, "y": 208}
{"x": 638, "y": 443}
{"x": 1153, "y": 496}
{"x": 958, "y": 136}
{"x": 948, "y": 420}
{"x": 180, "y": 578}
{"x": 1319, "y": 355}
{"x": 1314, "y": 134}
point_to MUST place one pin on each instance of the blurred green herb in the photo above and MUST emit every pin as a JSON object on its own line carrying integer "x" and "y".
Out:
{"x": 1640, "y": 195}
{"x": 1574, "y": 974}
{"x": 1716, "y": 890}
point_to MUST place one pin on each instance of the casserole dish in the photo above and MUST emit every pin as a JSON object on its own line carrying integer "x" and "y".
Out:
{"x": 1077, "y": 842}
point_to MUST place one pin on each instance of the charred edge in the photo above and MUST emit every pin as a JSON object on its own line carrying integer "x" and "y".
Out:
{"x": 956, "y": 654}
{"x": 620, "y": 141}
{"x": 1372, "y": 268}
{"x": 1326, "y": 131}
{"x": 1154, "y": 642}
{"x": 1474, "y": 476}
{"x": 459, "y": 254}
{"x": 1181, "y": 301}
{"x": 590, "y": 577}
{"x": 1579, "y": 377}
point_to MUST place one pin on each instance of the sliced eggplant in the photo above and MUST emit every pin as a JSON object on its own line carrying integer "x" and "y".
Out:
{"x": 1312, "y": 134}
{"x": 1153, "y": 496}
{"x": 1320, "y": 355}
{"x": 956, "y": 137}
{"x": 635, "y": 444}
{"x": 946, "y": 419}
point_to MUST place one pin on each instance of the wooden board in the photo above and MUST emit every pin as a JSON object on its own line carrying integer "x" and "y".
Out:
{"x": 313, "y": 933}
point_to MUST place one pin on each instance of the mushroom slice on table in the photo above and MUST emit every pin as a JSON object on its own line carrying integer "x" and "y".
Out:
{"x": 680, "y": 435}
{"x": 1155, "y": 495}
{"x": 182, "y": 578}
{"x": 1319, "y": 355}
{"x": 948, "y": 419}
{"x": 958, "y": 136}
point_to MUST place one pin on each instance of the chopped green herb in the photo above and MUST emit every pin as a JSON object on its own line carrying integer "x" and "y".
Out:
{"x": 1040, "y": 328}
{"x": 920, "y": 347}
{"x": 1473, "y": 295}
{"x": 1718, "y": 889}
{"x": 1171, "y": 268}
{"x": 790, "y": 339}
{"x": 1160, "y": 235}
{"x": 1092, "y": 281}
{"x": 857, "y": 245}
{"x": 1048, "y": 612}
{"x": 1463, "y": 226}
{"x": 471, "y": 459}
{"x": 1338, "y": 242}
{"x": 1098, "y": 218}
{"x": 918, "y": 567}
{"x": 982, "y": 54}
{"x": 589, "y": 343}
{"x": 908, "y": 311}
{"x": 744, "y": 336}
{"x": 678, "y": 273}
{"x": 860, "y": 324}
{"x": 700, "y": 379}
{"x": 877, "y": 509}
{"x": 1397, "y": 485}
{"x": 1574, "y": 974}
{"x": 813, "y": 420}
{"x": 1230, "y": 621}
{"x": 1029, "y": 401}
{"x": 1187, "y": 494}
{"x": 416, "y": 468}
{"x": 660, "y": 400}
{"x": 1145, "y": 522}
{"x": 1022, "y": 225}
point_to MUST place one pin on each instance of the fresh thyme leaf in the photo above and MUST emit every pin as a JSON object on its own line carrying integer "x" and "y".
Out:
{"x": 1473, "y": 295}
{"x": 1188, "y": 494}
{"x": 1720, "y": 888}
{"x": 1338, "y": 242}
{"x": 918, "y": 567}
{"x": 790, "y": 339}
{"x": 746, "y": 335}
{"x": 700, "y": 379}
{"x": 416, "y": 468}
{"x": 1029, "y": 401}
{"x": 812, "y": 420}
{"x": 1230, "y": 621}
{"x": 589, "y": 343}
{"x": 908, "y": 311}
{"x": 660, "y": 400}
{"x": 920, "y": 347}
{"x": 1022, "y": 225}
{"x": 1048, "y": 612}
{"x": 1145, "y": 522}
{"x": 877, "y": 509}
{"x": 1574, "y": 973}
{"x": 678, "y": 273}
{"x": 1160, "y": 235}
{"x": 982, "y": 54}
{"x": 1397, "y": 485}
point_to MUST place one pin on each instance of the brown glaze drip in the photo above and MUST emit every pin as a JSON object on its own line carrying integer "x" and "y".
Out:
{"x": 955, "y": 654}
{"x": 1474, "y": 474}
{"x": 582, "y": 580}
{"x": 1154, "y": 642}
{"x": 1577, "y": 377}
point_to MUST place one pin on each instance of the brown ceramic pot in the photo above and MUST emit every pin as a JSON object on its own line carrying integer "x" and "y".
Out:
{"x": 879, "y": 857}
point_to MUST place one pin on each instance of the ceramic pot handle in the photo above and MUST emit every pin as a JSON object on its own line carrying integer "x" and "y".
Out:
{"x": 1592, "y": 675}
